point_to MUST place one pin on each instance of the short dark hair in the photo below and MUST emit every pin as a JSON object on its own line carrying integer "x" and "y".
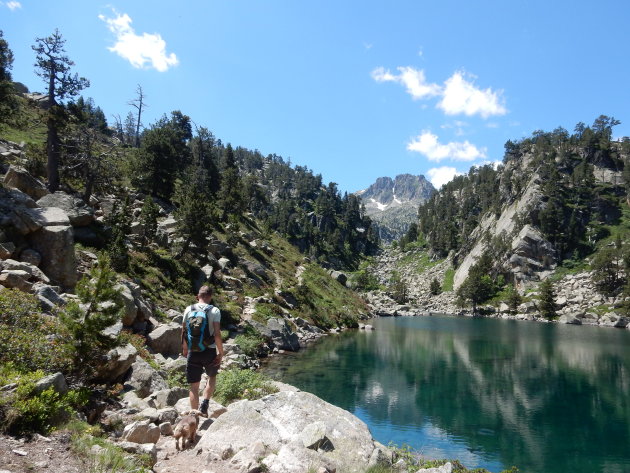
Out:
{"x": 204, "y": 290}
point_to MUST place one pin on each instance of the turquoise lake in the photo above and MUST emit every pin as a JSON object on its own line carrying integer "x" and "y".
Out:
{"x": 546, "y": 398}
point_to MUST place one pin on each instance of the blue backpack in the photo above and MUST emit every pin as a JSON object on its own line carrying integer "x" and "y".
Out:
{"x": 198, "y": 329}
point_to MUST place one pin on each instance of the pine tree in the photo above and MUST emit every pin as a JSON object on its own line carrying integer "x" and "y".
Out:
{"x": 163, "y": 155}
{"x": 149, "y": 219}
{"x": 193, "y": 214}
{"x": 547, "y": 300}
{"x": 513, "y": 299}
{"x": 100, "y": 307}
{"x": 231, "y": 194}
{"x": 8, "y": 104}
{"x": 435, "y": 287}
{"x": 53, "y": 66}
{"x": 607, "y": 270}
{"x": 399, "y": 289}
{"x": 120, "y": 224}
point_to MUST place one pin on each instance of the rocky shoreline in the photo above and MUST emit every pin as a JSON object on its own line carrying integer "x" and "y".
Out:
{"x": 577, "y": 299}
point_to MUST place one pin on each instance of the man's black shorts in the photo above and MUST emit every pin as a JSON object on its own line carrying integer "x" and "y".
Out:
{"x": 198, "y": 361}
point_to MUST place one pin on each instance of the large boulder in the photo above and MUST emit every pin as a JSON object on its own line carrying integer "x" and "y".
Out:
{"x": 19, "y": 178}
{"x": 48, "y": 292}
{"x": 78, "y": 212}
{"x": 116, "y": 363}
{"x": 33, "y": 271}
{"x": 56, "y": 245}
{"x": 141, "y": 432}
{"x": 614, "y": 320}
{"x": 130, "y": 310}
{"x": 256, "y": 269}
{"x": 7, "y": 249}
{"x": 144, "y": 379}
{"x": 278, "y": 332}
{"x": 15, "y": 279}
{"x": 147, "y": 450}
{"x": 56, "y": 381}
{"x": 28, "y": 220}
{"x": 286, "y": 422}
{"x": 571, "y": 319}
{"x": 166, "y": 339}
{"x": 340, "y": 277}
{"x": 31, "y": 256}
{"x": 167, "y": 397}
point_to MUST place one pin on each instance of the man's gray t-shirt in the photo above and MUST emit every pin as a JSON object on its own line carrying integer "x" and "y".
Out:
{"x": 214, "y": 315}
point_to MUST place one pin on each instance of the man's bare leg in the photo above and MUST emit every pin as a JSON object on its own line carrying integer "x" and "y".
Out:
{"x": 194, "y": 395}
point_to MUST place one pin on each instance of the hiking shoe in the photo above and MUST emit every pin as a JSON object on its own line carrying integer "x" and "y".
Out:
{"x": 204, "y": 407}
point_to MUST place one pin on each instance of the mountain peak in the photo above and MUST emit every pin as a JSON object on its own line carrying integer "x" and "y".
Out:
{"x": 403, "y": 189}
{"x": 393, "y": 203}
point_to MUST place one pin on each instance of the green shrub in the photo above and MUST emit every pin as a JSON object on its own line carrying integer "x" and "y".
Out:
{"x": 250, "y": 342}
{"x": 238, "y": 384}
{"x": 110, "y": 458}
{"x": 24, "y": 410}
{"x": 435, "y": 287}
{"x": 32, "y": 341}
{"x": 266, "y": 311}
{"x": 176, "y": 379}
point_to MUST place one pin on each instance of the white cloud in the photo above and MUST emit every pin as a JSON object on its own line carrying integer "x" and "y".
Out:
{"x": 442, "y": 175}
{"x": 146, "y": 50}
{"x": 461, "y": 96}
{"x": 427, "y": 144}
{"x": 13, "y": 5}
{"x": 413, "y": 79}
{"x": 458, "y": 94}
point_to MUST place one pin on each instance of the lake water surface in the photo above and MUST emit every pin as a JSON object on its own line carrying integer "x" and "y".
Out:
{"x": 546, "y": 398}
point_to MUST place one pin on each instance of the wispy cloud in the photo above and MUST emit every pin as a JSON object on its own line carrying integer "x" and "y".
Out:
{"x": 413, "y": 79}
{"x": 428, "y": 145}
{"x": 459, "y": 95}
{"x": 458, "y": 125}
{"x": 146, "y": 50}
{"x": 442, "y": 175}
{"x": 12, "y": 5}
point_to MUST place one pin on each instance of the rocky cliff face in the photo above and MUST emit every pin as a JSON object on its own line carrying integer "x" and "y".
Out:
{"x": 393, "y": 203}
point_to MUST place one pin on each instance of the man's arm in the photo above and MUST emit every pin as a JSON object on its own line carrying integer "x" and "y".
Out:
{"x": 184, "y": 342}
{"x": 218, "y": 342}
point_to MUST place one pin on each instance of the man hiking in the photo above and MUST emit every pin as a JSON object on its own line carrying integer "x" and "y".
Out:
{"x": 202, "y": 347}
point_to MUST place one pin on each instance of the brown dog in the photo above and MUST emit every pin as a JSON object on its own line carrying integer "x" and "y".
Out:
{"x": 186, "y": 428}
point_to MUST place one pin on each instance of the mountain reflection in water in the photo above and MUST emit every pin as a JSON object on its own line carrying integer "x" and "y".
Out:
{"x": 493, "y": 393}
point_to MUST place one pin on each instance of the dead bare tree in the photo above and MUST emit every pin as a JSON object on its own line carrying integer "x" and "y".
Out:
{"x": 139, "y": 104}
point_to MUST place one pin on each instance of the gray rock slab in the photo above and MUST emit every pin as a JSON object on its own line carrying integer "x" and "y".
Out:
{"x": 166, "y": 339}
{"x": 56, "y": 245}
{"x": 56, "y": 381}
{"x": 280, "y": 419}
{"x": 79, "y": 214}
{"x": 142, "y": 432}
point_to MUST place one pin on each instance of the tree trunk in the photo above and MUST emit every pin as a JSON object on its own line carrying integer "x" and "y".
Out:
{"x": 52, "y": 137}
{"x": 52, "y": 154}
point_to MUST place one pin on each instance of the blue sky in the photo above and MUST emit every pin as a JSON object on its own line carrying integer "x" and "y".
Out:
{"x": 352, "y": 89}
